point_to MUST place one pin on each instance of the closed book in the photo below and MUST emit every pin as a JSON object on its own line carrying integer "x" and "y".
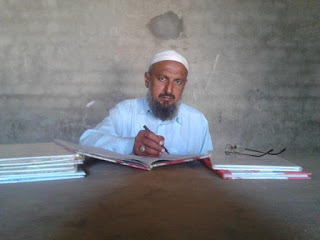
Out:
{"x": 226, "y": 174}
{"x": 235, "y": 166}
{"x": 221, "y": 161}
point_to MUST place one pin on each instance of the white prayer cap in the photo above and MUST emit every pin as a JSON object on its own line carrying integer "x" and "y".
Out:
{"x": 169, "y": 55}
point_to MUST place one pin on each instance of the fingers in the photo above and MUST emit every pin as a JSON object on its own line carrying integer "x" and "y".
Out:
{"x": 148, "y": 144}
{"x": 153, "y": 140}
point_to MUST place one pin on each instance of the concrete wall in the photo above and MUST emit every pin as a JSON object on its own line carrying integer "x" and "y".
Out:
{"x": 254, "y": 65}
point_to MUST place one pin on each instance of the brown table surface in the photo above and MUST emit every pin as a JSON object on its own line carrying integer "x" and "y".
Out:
{"x": 185, "y": 201}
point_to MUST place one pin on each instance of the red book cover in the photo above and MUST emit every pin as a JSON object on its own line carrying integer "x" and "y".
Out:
{"x": 225, "y": 174}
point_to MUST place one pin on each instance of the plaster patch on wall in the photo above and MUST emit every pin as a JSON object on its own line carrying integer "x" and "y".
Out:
{"x": 194, "y": 96}
{"x": 213, "y": 70}
{"x": 220, "y": 117}
{"x": 166, "y": 26}
{"x": 89, "y": 104}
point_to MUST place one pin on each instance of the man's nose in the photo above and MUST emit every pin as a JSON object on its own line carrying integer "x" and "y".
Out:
{"x": 169, "y": 87}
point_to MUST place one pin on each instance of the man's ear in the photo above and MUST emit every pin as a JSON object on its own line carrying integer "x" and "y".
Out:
{"x": 147, "y": 79}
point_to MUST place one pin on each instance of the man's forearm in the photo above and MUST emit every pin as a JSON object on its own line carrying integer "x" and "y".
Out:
{"x": 95, "y": 138}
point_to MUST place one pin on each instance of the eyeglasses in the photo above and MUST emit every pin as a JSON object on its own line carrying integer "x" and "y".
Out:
{"x": 238, "y": 149}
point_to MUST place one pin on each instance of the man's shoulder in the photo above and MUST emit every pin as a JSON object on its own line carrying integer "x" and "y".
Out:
{"x": 134, "y": 103}
{"x": 191, "y": 112}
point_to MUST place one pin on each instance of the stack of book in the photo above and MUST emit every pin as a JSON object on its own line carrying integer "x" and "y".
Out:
{"x": 38, "y": 162}
{"x": 237, "y": 166}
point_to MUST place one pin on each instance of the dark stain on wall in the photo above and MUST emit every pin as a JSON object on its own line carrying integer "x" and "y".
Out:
{"x": 166, "y": 26}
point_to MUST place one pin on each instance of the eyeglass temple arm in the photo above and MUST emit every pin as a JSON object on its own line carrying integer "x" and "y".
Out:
{"x": 251, "y": 155}
{"x": 252, "y": 150}
{"x": 263, "y": 153}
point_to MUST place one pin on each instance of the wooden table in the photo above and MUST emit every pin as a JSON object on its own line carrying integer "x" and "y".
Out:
{"x": 184, "y": 201}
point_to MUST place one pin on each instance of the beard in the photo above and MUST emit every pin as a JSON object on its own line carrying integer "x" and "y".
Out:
{"x": 163, "y": 111}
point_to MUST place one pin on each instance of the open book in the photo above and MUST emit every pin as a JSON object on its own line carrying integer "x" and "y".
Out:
{"x": 141, "y": 162}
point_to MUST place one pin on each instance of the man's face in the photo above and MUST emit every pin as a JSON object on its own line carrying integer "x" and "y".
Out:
{"x": 167, "y": 81}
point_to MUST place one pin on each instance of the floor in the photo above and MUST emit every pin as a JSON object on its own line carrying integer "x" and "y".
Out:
{"x": 185, "y": 201}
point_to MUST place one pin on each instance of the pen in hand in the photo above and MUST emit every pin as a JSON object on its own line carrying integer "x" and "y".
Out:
{"x": 146, "y": 128}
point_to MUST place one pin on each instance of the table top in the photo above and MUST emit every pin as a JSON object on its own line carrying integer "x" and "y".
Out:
{"x": 186, "y": 201}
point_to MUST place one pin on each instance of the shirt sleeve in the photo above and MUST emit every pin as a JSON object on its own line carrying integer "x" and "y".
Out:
{"x": 207, "y": 142}
{"x": 107, "y": 134}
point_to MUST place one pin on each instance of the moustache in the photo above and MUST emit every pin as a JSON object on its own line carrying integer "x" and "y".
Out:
{"x": 167, "y": 95}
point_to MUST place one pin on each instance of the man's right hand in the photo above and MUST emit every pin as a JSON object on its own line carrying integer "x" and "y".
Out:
{"x": 148, "y": 144}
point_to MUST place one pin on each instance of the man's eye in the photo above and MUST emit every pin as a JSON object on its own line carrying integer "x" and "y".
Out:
{"x": 162, "y": 78}
{"x": 179, "y": 82}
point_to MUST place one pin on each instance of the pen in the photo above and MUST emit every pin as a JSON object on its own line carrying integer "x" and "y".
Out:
{"x": 146, "y": 128}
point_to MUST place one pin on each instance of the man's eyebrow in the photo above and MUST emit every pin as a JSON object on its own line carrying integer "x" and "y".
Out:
{"x": 181, "y": 79}
{"x": 165, "y": 76}
{"x": 162, "y": 75}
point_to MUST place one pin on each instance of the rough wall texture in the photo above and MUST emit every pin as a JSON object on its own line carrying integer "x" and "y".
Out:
{"x": 254, "y": 65}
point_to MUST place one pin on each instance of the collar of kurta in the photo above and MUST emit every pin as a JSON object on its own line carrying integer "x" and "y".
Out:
{"x": 146, "y": 110}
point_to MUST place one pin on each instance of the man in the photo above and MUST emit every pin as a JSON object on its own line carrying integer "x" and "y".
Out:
{"x": 149, "y": 126}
